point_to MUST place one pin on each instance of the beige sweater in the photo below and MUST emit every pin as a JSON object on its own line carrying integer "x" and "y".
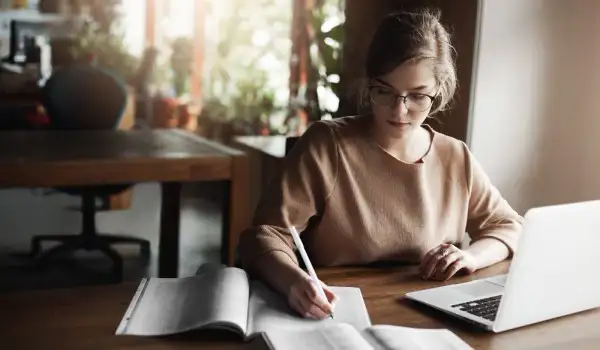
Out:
{"x": 355, "y": 204}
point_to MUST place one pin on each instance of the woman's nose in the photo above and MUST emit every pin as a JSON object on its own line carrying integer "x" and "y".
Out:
{"x": 400, "y": 108}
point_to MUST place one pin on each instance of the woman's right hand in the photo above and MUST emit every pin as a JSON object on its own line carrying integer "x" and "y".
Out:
{"x": 304, "y": 298}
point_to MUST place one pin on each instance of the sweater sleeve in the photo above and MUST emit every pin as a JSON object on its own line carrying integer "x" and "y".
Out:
{"x": 489, "y": 214}
{"x": 296, "y": 194}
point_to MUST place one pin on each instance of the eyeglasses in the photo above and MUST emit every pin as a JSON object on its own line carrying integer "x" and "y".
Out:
{"x": 387, "y": 97}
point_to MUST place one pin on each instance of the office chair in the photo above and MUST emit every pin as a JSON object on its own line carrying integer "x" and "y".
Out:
{"x": 86, "y": 98}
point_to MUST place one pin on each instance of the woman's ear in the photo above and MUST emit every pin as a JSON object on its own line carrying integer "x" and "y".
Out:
{"x": 365, "y": 100}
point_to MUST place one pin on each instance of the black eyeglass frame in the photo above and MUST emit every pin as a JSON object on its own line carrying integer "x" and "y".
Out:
{"x": 397, "y": 96}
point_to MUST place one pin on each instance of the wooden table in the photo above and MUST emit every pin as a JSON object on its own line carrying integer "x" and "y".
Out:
{"x": 384, "y": 289}
{"x": 86, "y": 318}
{"x": 168, "y": 156}
{"x": 273, "y": 145}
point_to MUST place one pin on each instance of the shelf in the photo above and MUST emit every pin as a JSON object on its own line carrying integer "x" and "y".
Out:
{"x": 30, "y": 15}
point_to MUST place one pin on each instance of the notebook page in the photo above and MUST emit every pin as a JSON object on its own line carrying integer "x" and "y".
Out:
{"x": 269, "y": 311}
{"x": 403, "y": 338}
{"x": 335, "y": 336}
{"x": 216, "y": 297}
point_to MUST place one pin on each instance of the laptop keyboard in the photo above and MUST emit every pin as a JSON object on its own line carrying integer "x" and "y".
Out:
{"x": 486, "y": 307}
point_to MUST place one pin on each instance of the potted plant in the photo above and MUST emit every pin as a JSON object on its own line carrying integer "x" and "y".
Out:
{"x": 181, "y": 65}
{"x": 182, "y": 55}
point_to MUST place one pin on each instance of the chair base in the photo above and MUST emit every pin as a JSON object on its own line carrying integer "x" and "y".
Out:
{"x": 101, "y": 242}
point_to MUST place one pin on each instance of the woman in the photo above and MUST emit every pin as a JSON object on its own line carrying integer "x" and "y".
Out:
{"x": 383, "y": 186}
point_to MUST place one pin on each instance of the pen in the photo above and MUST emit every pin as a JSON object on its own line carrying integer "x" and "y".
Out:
{"x": 309, "y": 267}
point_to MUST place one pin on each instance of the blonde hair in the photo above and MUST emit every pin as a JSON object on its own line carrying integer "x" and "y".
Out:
{"x": 410, "y": 37}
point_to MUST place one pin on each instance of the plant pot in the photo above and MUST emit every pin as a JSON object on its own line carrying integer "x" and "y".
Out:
{"x": 165, "y": 113}
{"x": 53, "y": 6}
{"x": 187, "y": 118}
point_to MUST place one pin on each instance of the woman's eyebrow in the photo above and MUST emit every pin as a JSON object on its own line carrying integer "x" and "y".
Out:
{"x": 384, "y": 83}
{"x": 416, "y": 88}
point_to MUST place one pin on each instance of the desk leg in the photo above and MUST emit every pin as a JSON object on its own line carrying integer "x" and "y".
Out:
{"x": 168, "y": 250}
{"x": 236, "y": 208}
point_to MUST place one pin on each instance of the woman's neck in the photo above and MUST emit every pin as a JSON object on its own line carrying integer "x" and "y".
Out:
{"x": 410, "y": 147}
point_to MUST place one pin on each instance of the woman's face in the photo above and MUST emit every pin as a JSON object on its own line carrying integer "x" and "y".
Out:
{"x": 402, "y": 99}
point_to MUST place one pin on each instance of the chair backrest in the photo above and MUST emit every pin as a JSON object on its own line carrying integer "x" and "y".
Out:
{"x": 84, "y": 97}
{"x": 290, "y": 141}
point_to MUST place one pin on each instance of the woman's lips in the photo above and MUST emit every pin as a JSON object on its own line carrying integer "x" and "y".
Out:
{"x": 398, "y": 124}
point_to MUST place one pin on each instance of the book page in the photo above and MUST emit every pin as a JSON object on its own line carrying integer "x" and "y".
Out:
{"x": 403, "y": 338}
{"x": 334, "y": 336}
{"x": 216, "y": 297}
{"x": 269, "y": 311}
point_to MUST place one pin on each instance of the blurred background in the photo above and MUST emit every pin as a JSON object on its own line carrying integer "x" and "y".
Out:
{"x": 217, "y": 67}
{"x": 254, "y": 74}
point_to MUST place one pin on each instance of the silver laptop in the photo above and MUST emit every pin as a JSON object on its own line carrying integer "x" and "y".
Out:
{"x": 553, "y": 273}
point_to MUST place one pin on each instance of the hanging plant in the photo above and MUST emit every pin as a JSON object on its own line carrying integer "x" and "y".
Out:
{"x": 102, "y": 38}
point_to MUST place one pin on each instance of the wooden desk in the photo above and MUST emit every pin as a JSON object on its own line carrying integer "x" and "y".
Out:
{"x": 273, "y": 146}
{"x": 86, "y": 318}
{"x": 33, "y": 99}
{"x": 67, "y": 158}
{"x": 383, "y": 290}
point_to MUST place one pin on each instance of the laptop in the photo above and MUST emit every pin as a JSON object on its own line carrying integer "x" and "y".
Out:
{"x": 553, "y": 273}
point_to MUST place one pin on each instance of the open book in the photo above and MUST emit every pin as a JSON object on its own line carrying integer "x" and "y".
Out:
{"x": 341, "y": 336}
{"x": 224, "y": 298}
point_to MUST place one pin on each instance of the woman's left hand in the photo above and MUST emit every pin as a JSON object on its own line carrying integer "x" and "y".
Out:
{"x": 444, "y": 261}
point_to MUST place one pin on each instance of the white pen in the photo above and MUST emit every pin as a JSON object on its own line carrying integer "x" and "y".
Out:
{"x": 309, "y": 267}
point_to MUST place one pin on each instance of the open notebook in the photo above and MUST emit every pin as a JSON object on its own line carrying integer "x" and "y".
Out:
{"x": 224, "y": 298}
{"x": 341, "y": 336}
